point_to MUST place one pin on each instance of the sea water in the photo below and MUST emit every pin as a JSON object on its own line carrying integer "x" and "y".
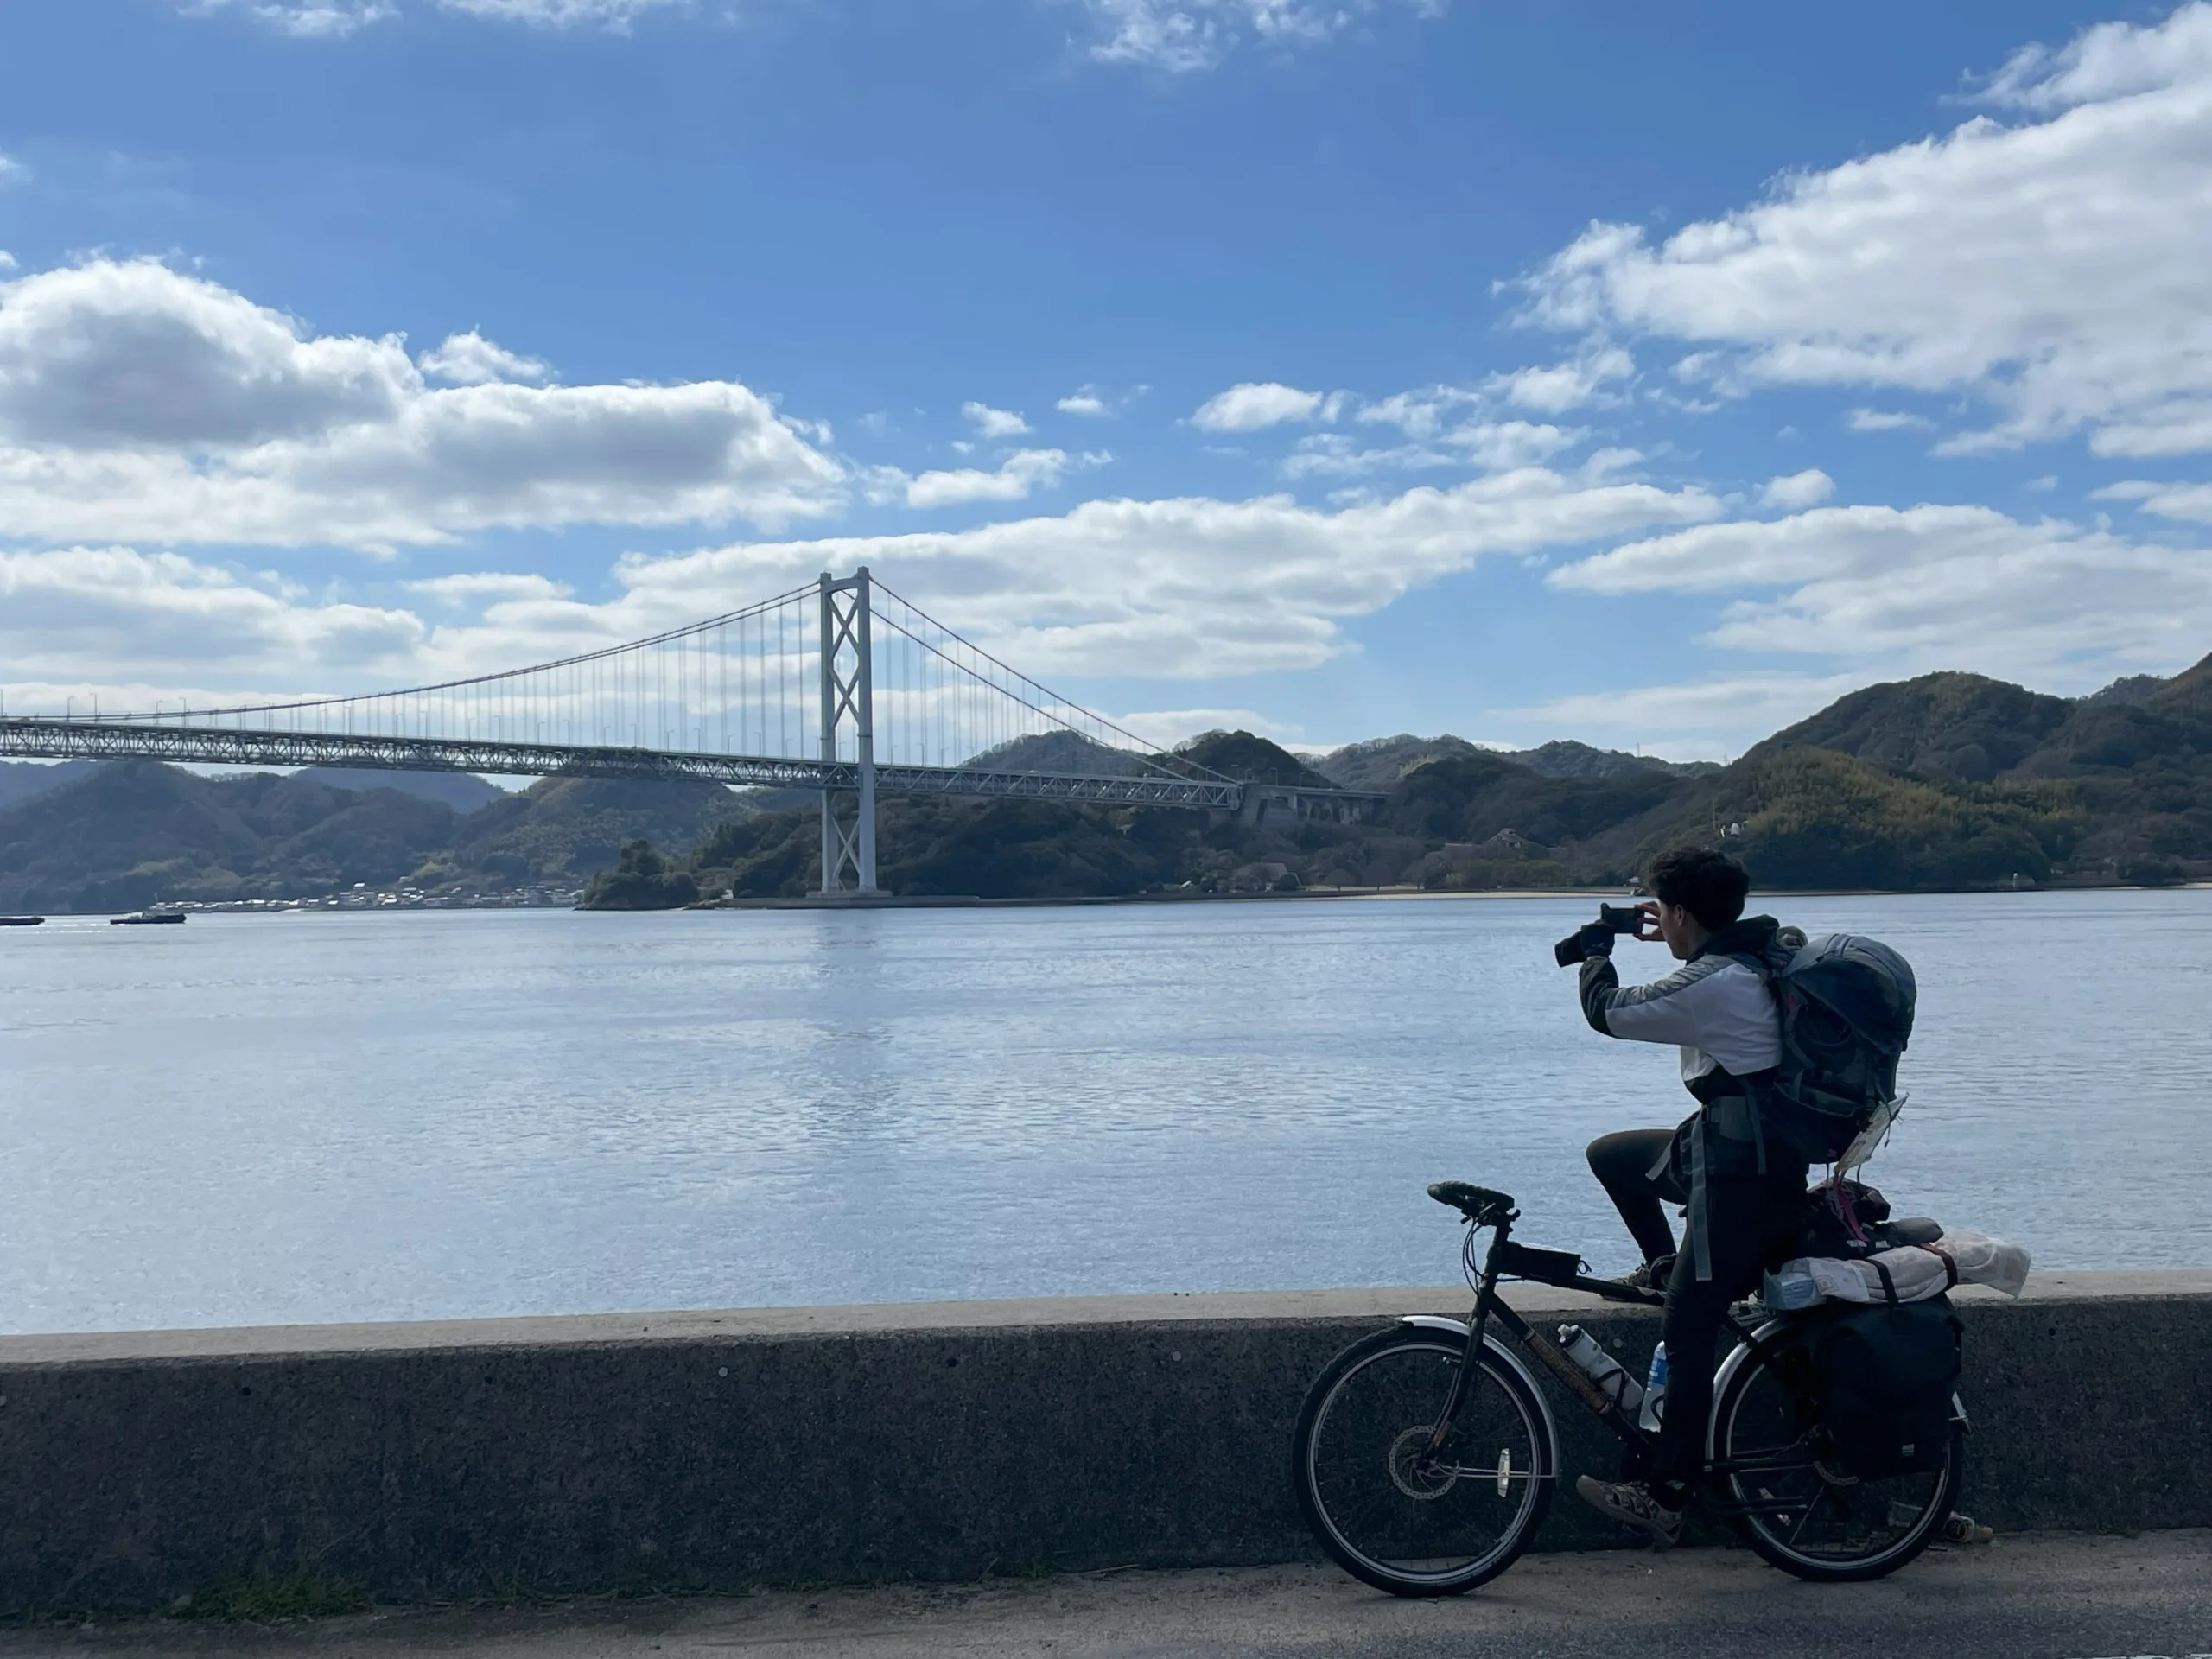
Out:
{"x": 311, "y": 1117}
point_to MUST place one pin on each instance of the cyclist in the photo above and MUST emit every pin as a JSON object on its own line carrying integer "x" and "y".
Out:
{"x": 1743, "y": 1189}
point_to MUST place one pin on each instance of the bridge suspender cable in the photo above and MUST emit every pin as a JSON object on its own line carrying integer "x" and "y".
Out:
{"x": 913, "y": 708}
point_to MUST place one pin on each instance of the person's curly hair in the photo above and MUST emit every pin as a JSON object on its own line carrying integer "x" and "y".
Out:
{"x": 1711, "y": 885}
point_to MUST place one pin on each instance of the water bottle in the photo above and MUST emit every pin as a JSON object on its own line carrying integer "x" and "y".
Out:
{"x": 1611, "y": 1376}
{"x": 1655, "y": 1393}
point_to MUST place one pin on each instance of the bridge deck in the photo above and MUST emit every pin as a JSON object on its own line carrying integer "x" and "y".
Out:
{"x": 71, "y": 739}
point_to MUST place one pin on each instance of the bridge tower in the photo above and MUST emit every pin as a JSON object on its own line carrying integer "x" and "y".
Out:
{"x": 849, "y": 691}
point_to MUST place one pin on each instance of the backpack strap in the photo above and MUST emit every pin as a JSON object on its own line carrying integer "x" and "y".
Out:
{"x": 1889, "y": 1284}
{"x": 1758, "y": 964}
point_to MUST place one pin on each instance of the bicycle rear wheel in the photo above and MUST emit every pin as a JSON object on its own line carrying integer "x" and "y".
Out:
{"x": 1390, "y": 1517}
{"x": 1802, "y": 1513}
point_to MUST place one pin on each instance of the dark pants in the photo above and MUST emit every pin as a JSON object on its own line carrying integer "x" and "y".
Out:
{"x": 1752, "y": 1221}
{"x": 1623, "y": 1164}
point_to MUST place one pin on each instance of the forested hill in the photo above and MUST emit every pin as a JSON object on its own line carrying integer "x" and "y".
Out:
{"x": 137, "y": 832}
{"x": 1950, "y": 780}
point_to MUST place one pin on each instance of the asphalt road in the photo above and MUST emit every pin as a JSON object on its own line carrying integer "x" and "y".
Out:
{"x": 2049, "y": 1596}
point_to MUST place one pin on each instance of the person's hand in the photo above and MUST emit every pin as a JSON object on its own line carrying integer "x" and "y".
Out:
{"x": 1597, "y": 940}
{"x": 1649, "y": 933}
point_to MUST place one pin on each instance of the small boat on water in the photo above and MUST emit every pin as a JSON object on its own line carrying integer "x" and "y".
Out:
{"x": 146, "y": 918}
{"x": 23, "y": 921}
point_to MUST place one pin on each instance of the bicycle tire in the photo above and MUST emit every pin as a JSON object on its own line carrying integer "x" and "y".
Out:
{"x": 1338, "y": 1460}
{"x": 1825, "y": 1490}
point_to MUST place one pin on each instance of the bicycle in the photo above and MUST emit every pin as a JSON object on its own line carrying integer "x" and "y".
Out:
{"x": 1426, "y": 1456}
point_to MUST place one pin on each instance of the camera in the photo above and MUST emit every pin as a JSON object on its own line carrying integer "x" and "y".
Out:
{"x": 1621, "y": 919}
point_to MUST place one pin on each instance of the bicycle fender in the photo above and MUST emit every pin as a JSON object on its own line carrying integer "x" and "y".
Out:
{"x": 1512, "y": 1363}
{"x": 1726, "y": 1375}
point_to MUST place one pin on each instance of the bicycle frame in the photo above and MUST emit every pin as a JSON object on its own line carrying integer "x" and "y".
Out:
{"x": 1505, "y": 1258}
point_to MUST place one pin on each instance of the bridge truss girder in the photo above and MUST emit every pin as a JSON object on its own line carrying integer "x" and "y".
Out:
{"x": 58, "y": 738}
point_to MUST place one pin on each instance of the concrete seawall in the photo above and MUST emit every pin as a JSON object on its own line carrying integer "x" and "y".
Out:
{"x": 720, "y": 1451}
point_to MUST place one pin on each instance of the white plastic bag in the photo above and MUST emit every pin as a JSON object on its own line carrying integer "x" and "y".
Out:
{"x": 1917, "y": 1272}
{"x": 1982, "y": 1260}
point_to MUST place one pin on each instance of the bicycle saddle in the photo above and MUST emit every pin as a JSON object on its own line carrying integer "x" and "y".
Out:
{"x": 1473, "y": 1202}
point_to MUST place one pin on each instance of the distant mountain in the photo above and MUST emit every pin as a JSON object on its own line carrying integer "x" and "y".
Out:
{"x": 1380, "y": 762}
{"x": 2133, "y": 688}
{"x": 1946, "y": 781}
{"x": 562, "y": 829}
{"x": 1951, "y": 725}
{"x": 461, "y": 790}
{"x": 21, "y": 780}
{"x": 1565, "y": 757}
{"x": 1058, "y": 751}
{"x": 134, "y": 832}
{"x": 1252, "y": 760}
{"x": 131, "y": 833}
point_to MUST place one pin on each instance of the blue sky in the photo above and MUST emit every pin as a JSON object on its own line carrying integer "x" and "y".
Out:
{"x": 1335, "y": 369}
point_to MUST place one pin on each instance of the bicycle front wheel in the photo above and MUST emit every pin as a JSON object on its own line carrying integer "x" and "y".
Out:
{"x": 1386, "y": 1511}
{"x": 1797, "y": 1509}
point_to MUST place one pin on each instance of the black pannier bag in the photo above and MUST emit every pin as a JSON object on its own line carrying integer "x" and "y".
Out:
{"x": 1884, "y": 1376}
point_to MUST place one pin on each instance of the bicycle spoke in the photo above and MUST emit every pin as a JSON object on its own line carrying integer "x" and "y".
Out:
{"x": 1799, "y": 1509}
{"x": 1403, "y": 1517}
{"x": 1798, "y": 1530}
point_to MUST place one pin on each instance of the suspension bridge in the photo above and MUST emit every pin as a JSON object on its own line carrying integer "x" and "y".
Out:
{"x": 839, "y": 686}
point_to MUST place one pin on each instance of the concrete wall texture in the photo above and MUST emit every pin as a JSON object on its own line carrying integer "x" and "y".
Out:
{"x": 698, "y": 1452}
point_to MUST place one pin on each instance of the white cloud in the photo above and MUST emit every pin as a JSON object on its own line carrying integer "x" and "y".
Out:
{"x": 2189, "y": 502}
{"x": 1022, "y": 472}
{"x": 1422, "y": 414}
{"x": 1886, "y": 420}
{"x": 1184, "y": 588}
{"x": 306, "y": 19}
{"x": 13, "y": 173}
{"x": 1493, "y": 446}
{"x": 470, "y": 359}
{"x": 1182, "y": 36}
{"x": 1448, "y": 426}
{"x": 489, "y": 586}
{"x": 1806, "y": 489}
{"x": 1093, "y": 403}
{"x": 139, "y": 403}
{"x": 2050, "y": 270}
{"x": 71, "y": 613}
{"x": 617, "y": 14}
{"x": 1251, "y": 406}
{"x": 1563, "y": 386}
{"x": 132, "y": 356}
{"x": 995, "y": 422}
{"x": 1190, "y": 588}
{"x": 1932, "y": 587}
{"x": 1698, "y": 718}
{"x": 2109, "y": 60}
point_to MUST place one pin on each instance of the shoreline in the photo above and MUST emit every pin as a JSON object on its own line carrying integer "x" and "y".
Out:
{"x": 949, "y": 901}
{"x": 941, "y": 901}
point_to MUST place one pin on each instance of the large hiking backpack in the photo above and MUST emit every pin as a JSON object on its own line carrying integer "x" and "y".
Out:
{"x": 1845, "y": 1004}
